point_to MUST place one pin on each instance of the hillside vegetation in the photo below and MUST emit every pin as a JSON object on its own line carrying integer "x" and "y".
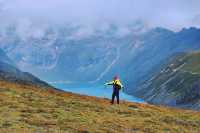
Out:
{"x": 30, "y": 109}
{"x": 177, "y": 84}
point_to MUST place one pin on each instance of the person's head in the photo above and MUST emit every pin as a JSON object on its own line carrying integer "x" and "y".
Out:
{"x": 116, "y": 77}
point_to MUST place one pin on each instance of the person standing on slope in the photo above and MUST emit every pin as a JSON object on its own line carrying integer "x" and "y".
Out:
{"x": 116, "y": 83}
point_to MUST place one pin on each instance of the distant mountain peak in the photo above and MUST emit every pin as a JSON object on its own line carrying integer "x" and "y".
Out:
{"x": 160, "y": 30}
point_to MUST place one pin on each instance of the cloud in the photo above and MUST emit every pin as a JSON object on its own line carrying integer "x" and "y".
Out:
{"x": 81, "y": 33}
{"x": 170, "y": 14}
{"x": 1, "y": 6}
{"x": 196, "y": 20}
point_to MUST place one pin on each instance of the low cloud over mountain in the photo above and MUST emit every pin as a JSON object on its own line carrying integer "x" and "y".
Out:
{"x": 174, "y": 15}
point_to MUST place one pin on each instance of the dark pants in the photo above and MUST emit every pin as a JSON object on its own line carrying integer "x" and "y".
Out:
{"x": 115, "y": 94}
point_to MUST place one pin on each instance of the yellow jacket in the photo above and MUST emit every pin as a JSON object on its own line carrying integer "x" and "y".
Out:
{"x": 117, "y": 81}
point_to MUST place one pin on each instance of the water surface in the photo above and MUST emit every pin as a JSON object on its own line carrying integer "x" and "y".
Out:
{"x": 101, "y": 91}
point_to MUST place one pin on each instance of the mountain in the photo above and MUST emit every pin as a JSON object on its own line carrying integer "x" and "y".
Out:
{"x": 65, "y": 53}
{"x": 176, "y": 84}
{"x": 28, "y": 108}
{"x": 10, "y": 73}
{"x": 81, "y": 54}
{"x": 31, "y": 105}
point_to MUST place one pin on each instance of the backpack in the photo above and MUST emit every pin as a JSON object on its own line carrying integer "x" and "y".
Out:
{"x": 117, "y": 86}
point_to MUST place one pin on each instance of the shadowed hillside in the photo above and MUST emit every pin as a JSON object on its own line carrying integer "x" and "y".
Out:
{"x": 9, "y": 72}
{"x": 27, "y": 108}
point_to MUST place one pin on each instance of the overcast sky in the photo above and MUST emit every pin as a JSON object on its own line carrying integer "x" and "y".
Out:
{"x": 173, "y": 14}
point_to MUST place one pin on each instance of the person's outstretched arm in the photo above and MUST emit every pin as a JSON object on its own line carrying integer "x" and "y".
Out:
{"x": 109, "y": 83}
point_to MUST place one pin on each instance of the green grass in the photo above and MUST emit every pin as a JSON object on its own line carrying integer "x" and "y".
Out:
{"x": 31, "y": 109}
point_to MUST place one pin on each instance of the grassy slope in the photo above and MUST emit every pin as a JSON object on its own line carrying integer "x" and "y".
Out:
{"x": 27, "y": 109}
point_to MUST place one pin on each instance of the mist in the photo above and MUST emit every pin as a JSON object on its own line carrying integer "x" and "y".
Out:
{"x": 173, "y": 15}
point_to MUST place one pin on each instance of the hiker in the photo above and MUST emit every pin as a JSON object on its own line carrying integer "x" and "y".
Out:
{"x": 116, "y": 88}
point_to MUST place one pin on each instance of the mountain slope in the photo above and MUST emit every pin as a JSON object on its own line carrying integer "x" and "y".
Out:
{"x": 177, "y": 84}
{"x": 10, "y": 73}
{"x": 66, "y": 53}
{"x": 27, "y": 108}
